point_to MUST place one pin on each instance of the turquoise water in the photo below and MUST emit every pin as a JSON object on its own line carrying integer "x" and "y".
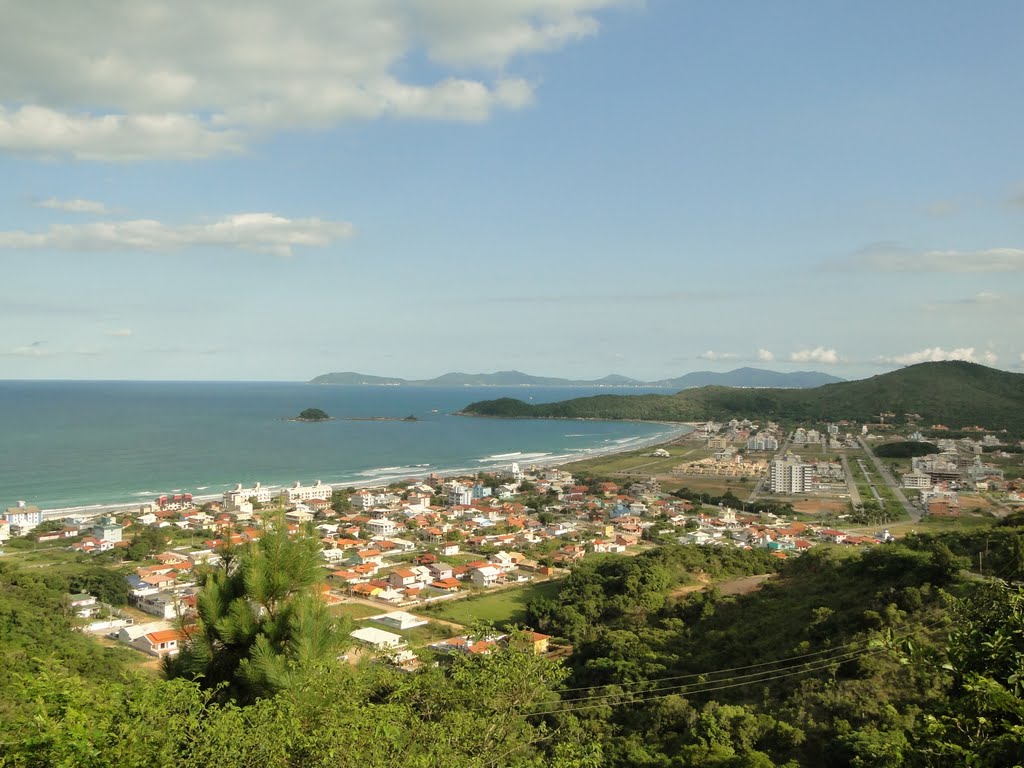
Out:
{"x": 66, "y": 444}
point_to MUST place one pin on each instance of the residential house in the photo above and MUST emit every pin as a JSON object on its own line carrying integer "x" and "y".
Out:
{"x": 485, "y": 576}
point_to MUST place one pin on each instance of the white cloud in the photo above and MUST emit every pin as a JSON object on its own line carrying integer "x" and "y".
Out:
{"x": 190, "y": 78}
{"x": 890, "y": 257}
{"x": 49, "y": 132}
{"x": 76, "y": 205}
{"x": 260, "y": 232}
{"x": 937, "y": 354}
{"x": 765, "y": 356}
{"x": 816, "y": 355}
{"x": 35, "y": 349}
{"x": 712, "y": 355}
{"x": 120, "y": 333}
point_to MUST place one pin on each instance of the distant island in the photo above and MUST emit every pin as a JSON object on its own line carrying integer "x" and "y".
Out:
{"x": 741, "y": 377}
{"x": 955, "y": 394}
{"x": 313, "y": 414}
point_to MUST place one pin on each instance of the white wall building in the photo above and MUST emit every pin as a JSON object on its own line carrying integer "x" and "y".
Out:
{"x": 23, "y": 518}
{"x": 790, "y": 475}
{"x": 299, "y": 493}
{"x": 237, "y": 496}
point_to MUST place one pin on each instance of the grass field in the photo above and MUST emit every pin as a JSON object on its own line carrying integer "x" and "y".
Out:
{"x": 639, "y": 461}
{"x": 356, "y": 611}
{"x": 416, "y": 637}
{"x": 930, "y": 525}
{"x": 501, "y": 607}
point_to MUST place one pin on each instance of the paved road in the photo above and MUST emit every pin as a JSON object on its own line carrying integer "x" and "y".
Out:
{"x": 851, "y": 484}
{"x": 887, "y": 478}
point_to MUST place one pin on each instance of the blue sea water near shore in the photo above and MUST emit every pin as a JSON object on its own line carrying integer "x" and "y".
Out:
{"x": 71, "y": 444}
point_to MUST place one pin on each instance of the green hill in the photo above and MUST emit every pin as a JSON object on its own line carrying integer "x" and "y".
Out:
{"x": 956, "y": 394}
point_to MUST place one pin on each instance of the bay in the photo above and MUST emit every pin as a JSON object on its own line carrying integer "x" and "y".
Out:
{"x": 68, "y": 444}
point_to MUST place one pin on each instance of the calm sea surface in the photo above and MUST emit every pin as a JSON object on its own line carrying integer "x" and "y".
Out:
{"x": 65, "y": 444}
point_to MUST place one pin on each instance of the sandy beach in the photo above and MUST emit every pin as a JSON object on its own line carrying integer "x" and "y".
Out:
{"x": 528, "y": 460}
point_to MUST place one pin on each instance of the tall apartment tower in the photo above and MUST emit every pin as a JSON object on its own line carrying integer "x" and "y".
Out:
{"x": 789, "y": 475}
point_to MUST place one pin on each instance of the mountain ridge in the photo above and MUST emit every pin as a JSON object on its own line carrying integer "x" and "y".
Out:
{"x": 740, "y": 377}
{"x": 956, "y": 394}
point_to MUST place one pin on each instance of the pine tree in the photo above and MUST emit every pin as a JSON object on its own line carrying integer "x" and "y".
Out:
{"x": 262, "y": 626}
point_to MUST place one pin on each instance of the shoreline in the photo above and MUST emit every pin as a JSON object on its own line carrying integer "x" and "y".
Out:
{"x": 679, "y": 429}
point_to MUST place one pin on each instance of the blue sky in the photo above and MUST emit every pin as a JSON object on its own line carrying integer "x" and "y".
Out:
{"x": 566, "y": 187}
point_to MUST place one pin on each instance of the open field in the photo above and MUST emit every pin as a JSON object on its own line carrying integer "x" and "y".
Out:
{"x": 812, "y": 506}
{"x": 501, "y": 607}
{"x": 417, "y": 636}
{"x": 640, "y": 461}
{"x": 930, "y": 525}
{"x": 356, "y": 611}
{"x": 715, "y": 486}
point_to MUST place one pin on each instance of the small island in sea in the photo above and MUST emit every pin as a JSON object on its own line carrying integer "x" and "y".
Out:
{"x": 313, "y": 414}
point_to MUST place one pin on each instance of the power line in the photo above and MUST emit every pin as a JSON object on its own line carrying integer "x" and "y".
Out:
{"x": 684, "y": 690}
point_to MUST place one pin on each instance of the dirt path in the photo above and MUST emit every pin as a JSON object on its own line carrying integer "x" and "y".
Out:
{"x": 741, "y": 585}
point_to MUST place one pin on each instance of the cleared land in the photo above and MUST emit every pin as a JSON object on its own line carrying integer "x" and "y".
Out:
{"x": 506, "y": 606}
{"x": 356, "y": 611}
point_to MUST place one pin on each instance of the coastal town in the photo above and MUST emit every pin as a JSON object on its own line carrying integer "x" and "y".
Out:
{"x": 412, "y": 563}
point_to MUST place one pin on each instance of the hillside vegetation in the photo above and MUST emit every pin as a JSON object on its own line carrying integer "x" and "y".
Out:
{"x": 956, "y": 394}
{"x": 883, "y": 657}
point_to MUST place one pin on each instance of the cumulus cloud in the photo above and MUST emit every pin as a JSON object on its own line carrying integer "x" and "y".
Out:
{"x": 892, "y": 257}
{"x": 938, "y": 354}
{"x": 712, "y": 355}
{"x": 260, "y": 232}
{"x": 49, "y": 132}
{"x": 765, "y": 356}
{"x": 77, "y": 205}
{"x": 190, "y": 78}
{"x": 816, "y": 355}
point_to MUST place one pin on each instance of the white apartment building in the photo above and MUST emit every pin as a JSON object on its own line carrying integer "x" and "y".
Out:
{"x": 299, "y": 493}
{"x": 459, "y": 495}
{"x": 23, "y": 518}
{"x": 790, "y": 475}
{"x": 234, "y": 498}
{"x": 916, "y": 479}
{"x": 763, "y": 441}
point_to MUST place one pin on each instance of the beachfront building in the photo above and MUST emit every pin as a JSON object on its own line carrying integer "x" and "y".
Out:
{"x": 238, "y": 496}
{"x": 174, "y": 502}
{"x": 108, "y": 529}
{"x": 300, "y": 493}
{"x": 23, "y": 518}
{"x": 790, "y": 475}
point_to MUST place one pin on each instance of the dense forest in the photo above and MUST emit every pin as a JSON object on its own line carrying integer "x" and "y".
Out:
{"x": 889, "y": 656}
{"x": 956, "y": 394}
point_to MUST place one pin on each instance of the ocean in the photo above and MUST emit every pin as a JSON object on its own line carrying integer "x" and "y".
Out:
{"x": 77, "y": 444}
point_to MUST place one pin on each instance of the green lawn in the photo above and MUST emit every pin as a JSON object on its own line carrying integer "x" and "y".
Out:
{"x": 357, "y": 611}
{"x": 501, "y": 607}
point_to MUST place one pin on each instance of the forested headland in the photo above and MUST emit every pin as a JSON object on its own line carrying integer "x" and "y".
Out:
{"x": 956, "y": 394}
{"x": 894, "y": 655}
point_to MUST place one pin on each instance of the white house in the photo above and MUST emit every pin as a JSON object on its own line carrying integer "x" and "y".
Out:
{"x": 23, "y": 518}
{"x": 378, "y": 638}
{"x": 400, "y": 620}
{"x": 485, "y": 576}
{"x": 382, "y": 527}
